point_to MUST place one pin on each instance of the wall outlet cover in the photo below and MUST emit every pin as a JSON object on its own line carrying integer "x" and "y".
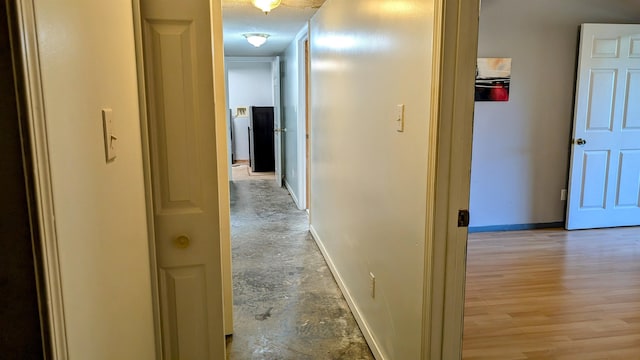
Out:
{"x": 242, "y": 111}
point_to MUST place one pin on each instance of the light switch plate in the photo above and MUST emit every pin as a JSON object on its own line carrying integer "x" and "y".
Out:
{"x": 400, "y": 118}
{"x": 110, "y": 139}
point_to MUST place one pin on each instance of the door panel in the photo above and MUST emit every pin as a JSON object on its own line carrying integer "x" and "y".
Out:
{"x": 178, "y": 181}
{"x": 594, "y": 188}
{"x": 184, "y": 287}
{"x": 604, "y": 180}
{"x": 601, "y": 99}
{"x": 628, "y": 190}
{"x": 604, "y": 47}
{"x": 632, "y": 103}
{"x": 634, "y": 49}
{"x": 180, "y": 92}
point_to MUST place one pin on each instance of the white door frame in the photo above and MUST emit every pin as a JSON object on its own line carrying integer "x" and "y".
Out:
{"x": 146, "y": 163}
{"x": 450, "y": 138}
{"x": 275, "y": 96}
{"x": 41, "y": 171}
{"x": 220, "y": 95}
{"x": 301, "y": 140}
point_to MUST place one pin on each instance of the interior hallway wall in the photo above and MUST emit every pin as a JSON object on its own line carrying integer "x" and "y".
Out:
{"x": 88, "y": 62}
{"x": 521, "y": 147}
{"x": 368, "y": 205}
{"x": 249, "y": 84}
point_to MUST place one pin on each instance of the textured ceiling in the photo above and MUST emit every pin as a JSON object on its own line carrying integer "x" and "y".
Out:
{"x": 282, "y": 24}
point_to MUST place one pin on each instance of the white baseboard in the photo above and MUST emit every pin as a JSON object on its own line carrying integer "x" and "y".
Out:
{"x": 364, "y": 327}
{"x": 293, "y": 194}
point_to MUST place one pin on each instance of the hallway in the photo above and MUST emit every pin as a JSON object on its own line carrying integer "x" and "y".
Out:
{"x": 286, "y": 303}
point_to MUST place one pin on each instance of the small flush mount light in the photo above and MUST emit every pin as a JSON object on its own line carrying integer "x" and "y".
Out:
{"x": 256, "y": 40}
{"x": 266, "y": 5}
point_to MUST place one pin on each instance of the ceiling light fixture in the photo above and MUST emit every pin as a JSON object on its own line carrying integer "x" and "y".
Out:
{"x": 266, "y": 5}
{"x": 256, "y": 40}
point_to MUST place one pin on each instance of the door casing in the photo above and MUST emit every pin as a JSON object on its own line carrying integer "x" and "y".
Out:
{"x": 277, "y": 106}
{"x": 38, "y": 152}
{"x": 303, "y": 140}
{"x": 28, "y": 310}
{"x": 450, "y": 134}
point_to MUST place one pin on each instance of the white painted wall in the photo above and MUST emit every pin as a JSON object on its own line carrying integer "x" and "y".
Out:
{"x": 368, "y": 180}
{"x": 521, "y": 147}
{"x": 249, "y": 84}
{"x": 100, "y": 208}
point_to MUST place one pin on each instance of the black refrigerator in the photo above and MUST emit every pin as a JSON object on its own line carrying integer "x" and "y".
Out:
{"x": 261, "y": 142}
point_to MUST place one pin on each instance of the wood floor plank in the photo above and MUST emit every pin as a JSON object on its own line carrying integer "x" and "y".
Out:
{"x": 553, "y": 294}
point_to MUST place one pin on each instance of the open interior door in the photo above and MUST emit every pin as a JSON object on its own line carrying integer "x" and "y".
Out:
{"x": 604, "y": 179}
{"x": 277, "y": 119}
{"x": 182, "y": 114}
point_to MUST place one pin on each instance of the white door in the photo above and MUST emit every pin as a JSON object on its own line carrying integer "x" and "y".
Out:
{"x": 252, "y": 150}
{"x": 182, "y": 119}
{"x": 604, "y": 179}
{"x": 277, "y": 118}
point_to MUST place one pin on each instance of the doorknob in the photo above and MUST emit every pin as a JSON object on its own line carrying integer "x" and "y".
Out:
{"x": 281, "y": 130}
{"x": 182, "y": 241}
{"x": 581, "y": 141}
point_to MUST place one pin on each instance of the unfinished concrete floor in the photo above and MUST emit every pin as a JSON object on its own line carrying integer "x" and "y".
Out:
{"x": 286, "y": 303}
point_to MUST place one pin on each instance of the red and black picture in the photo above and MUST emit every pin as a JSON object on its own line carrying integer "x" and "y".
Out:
{"x": 493, "y": 78}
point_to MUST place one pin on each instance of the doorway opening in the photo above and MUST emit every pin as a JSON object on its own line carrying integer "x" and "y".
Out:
{"x": 254, "y": 117}
{"x": 552, "y": 280}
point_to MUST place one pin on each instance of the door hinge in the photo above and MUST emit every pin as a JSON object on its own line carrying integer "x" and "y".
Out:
{"x": 463, "y": 218}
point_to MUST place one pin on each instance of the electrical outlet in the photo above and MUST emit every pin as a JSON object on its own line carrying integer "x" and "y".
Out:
{"x": 372, "y": 285}
{"x": 563, "y": 194}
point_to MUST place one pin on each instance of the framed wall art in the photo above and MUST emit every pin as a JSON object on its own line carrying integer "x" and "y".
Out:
{"x": 493, "y": 79}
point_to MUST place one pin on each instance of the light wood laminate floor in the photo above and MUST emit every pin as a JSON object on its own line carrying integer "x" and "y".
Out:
{"x": 553, "y": 294}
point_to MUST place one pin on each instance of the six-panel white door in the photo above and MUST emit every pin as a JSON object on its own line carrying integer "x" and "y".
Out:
{"x": 177, "y": 42}
{"x": 604, "y": 179}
